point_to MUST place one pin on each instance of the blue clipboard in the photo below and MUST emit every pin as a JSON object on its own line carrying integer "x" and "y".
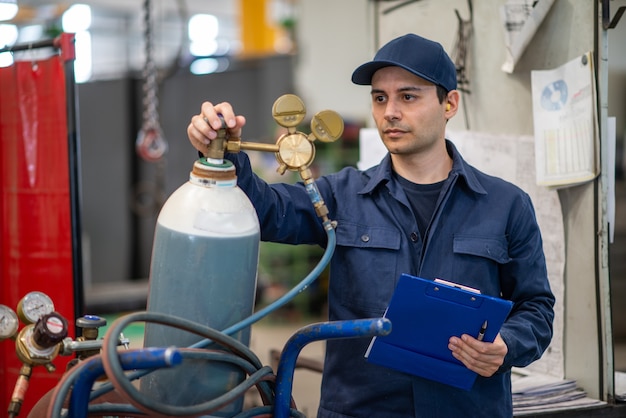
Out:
{"x": 424, "y": 314}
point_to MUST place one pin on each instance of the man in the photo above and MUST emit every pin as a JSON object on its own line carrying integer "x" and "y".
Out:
{"x": 423, "y": 211}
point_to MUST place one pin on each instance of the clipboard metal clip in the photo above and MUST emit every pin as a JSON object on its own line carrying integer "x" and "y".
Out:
{"x": 458, "y": 286}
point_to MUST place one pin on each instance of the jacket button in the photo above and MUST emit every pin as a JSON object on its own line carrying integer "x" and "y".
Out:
{"x": 365, "y": 238}
{"x": 414, "y": 236}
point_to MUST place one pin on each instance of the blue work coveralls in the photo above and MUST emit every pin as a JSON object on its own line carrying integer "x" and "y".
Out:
{"x": 483, "y": 234}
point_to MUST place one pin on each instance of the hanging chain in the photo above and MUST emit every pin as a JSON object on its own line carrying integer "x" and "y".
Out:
{"x": 150, "y": 87}
{"x": 149, "y": 196}
{"x": 150, "y": 144}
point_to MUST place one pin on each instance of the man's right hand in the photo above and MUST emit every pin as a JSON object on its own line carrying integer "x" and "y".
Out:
{"x": 204, "y": 126}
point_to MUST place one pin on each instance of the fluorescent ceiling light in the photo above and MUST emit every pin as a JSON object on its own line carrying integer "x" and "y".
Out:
{"x": 8, "y": 34}
{"x": 203, "y": 27}
{"x": 8, "y": 9}
{"x": 77, "y": 18}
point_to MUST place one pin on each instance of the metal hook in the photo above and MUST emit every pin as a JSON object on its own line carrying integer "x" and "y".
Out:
{"x": 33, "y": 62}
{"x": 607, "y": 22}
{"x": 471, "y": 13}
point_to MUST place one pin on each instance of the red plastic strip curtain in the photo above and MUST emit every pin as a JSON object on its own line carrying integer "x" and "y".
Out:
{"x": 35, "y": 223}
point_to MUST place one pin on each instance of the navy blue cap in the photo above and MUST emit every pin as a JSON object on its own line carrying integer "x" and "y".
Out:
{"x": 424, "y": 58}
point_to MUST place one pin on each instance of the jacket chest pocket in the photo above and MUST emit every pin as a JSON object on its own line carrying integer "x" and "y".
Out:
{"x": 477, "y": 259}
{"x": 367, "y": 274}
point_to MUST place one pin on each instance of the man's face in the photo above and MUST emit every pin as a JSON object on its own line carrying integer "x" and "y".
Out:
{"x": 407, "y": 112}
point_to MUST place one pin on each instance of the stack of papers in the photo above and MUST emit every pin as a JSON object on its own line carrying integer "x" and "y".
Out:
{"x": 536, "y": 392}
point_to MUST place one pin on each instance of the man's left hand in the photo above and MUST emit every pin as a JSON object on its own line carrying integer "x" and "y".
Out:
{"x": 479, "y": 356}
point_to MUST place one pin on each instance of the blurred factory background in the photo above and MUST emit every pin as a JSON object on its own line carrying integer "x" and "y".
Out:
{"x": 246, "y": 52}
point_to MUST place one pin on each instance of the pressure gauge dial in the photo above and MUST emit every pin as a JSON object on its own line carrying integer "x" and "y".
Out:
{"x": 9, "y": 322}
{"x": 33, "y": 306}
{"x": 288, "y": 110}
{"x": 295, "y": 152}
{"x": 327, "y": 126}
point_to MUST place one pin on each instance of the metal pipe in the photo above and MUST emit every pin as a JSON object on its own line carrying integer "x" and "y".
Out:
{"x": 254, "y": 146}
{"x": 47, "y": 43}
{"x": 316, "y": 332}
{"x": 149, "y": 358}
{"x": 66, "y": 43}
{"x": 70, "y": 346}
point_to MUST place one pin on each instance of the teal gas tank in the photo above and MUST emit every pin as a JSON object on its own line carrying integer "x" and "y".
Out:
{"x": 204, "y": 268}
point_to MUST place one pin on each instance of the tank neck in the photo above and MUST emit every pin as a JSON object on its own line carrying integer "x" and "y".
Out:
{"x": 210, "y": 174}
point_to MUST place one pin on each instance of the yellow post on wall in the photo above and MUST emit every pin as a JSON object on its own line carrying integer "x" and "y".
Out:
{"x": 258, "y": 32}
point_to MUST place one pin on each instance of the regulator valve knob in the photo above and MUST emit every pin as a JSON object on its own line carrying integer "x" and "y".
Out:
{"x": 50, "y": 330}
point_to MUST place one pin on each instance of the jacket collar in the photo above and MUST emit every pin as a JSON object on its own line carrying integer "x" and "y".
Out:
{"x": 381, "y": 174}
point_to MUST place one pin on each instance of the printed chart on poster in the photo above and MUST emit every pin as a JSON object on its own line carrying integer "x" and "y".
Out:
{"x": 565, "y": 123}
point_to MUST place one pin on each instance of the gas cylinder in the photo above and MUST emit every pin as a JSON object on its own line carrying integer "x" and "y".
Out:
{"x": 203, "y": 268}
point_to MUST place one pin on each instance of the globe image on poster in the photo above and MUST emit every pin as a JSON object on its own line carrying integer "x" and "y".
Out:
{"x": 554, "y": 95}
